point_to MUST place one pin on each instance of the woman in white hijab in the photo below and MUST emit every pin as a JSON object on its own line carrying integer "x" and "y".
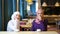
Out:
{"x": 13, "y": 24}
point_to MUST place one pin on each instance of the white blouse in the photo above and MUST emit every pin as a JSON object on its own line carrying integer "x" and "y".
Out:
{"x": 13, "y": 26}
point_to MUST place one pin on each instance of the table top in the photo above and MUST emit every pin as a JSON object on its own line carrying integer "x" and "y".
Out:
{"x": 28, "y": 25}
{"x": 51, "y": 15}
{"x": 30, "y": 32}
{"x": 25, "y": 26}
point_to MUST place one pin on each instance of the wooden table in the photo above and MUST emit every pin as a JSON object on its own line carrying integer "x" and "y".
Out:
{"x": 26, "y": 27}
{"x": 30, "y": 32}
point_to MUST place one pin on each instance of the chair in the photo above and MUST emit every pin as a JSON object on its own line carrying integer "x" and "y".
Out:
{"x": 45, "y": 24}
{"x": 58, "y": 24}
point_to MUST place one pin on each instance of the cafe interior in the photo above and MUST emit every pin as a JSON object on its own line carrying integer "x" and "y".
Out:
{"x": 28, "y": 9}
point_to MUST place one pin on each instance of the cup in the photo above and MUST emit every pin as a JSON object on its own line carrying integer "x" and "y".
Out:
{"x": 38, "y": 29}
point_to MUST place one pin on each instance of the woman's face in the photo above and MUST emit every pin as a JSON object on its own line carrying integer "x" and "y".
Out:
{"x": 17, "y": 16}
{"x": 39, "y": 14}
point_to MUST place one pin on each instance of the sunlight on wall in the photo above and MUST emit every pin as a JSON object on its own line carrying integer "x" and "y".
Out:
{"x": 36, "y": 5}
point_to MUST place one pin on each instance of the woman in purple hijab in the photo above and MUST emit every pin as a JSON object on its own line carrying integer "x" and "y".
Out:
{"x": 38, "y": 23}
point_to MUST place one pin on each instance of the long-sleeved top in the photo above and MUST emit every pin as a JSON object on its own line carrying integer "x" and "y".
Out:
{"x": 12, "y": 26}
{"x": 36, "y": 26}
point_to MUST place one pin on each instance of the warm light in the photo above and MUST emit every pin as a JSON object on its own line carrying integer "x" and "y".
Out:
{"x": 28, "y": 7}
{"x": 44, "y": 4}
{"x": 57, "y": 4}
{"x": 29, "y": 1}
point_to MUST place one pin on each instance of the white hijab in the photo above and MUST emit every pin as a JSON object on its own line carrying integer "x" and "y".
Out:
{"x": 14, "y": 15}
{"x": 13, "y": 25}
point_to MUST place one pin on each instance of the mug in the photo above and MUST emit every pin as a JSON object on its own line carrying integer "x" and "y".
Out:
{"x": 38, "y": 30}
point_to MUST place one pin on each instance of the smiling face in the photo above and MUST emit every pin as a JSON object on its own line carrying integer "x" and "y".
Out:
{"x": 17, "y": 17}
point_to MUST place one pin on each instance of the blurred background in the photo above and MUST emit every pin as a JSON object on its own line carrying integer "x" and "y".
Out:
{"x": 27, "y": 9}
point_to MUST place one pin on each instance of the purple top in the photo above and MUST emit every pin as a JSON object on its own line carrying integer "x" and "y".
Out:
{"x": 36, "y": 26}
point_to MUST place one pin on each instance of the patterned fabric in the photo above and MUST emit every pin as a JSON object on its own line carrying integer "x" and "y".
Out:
{"x": 36, "y": 26}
